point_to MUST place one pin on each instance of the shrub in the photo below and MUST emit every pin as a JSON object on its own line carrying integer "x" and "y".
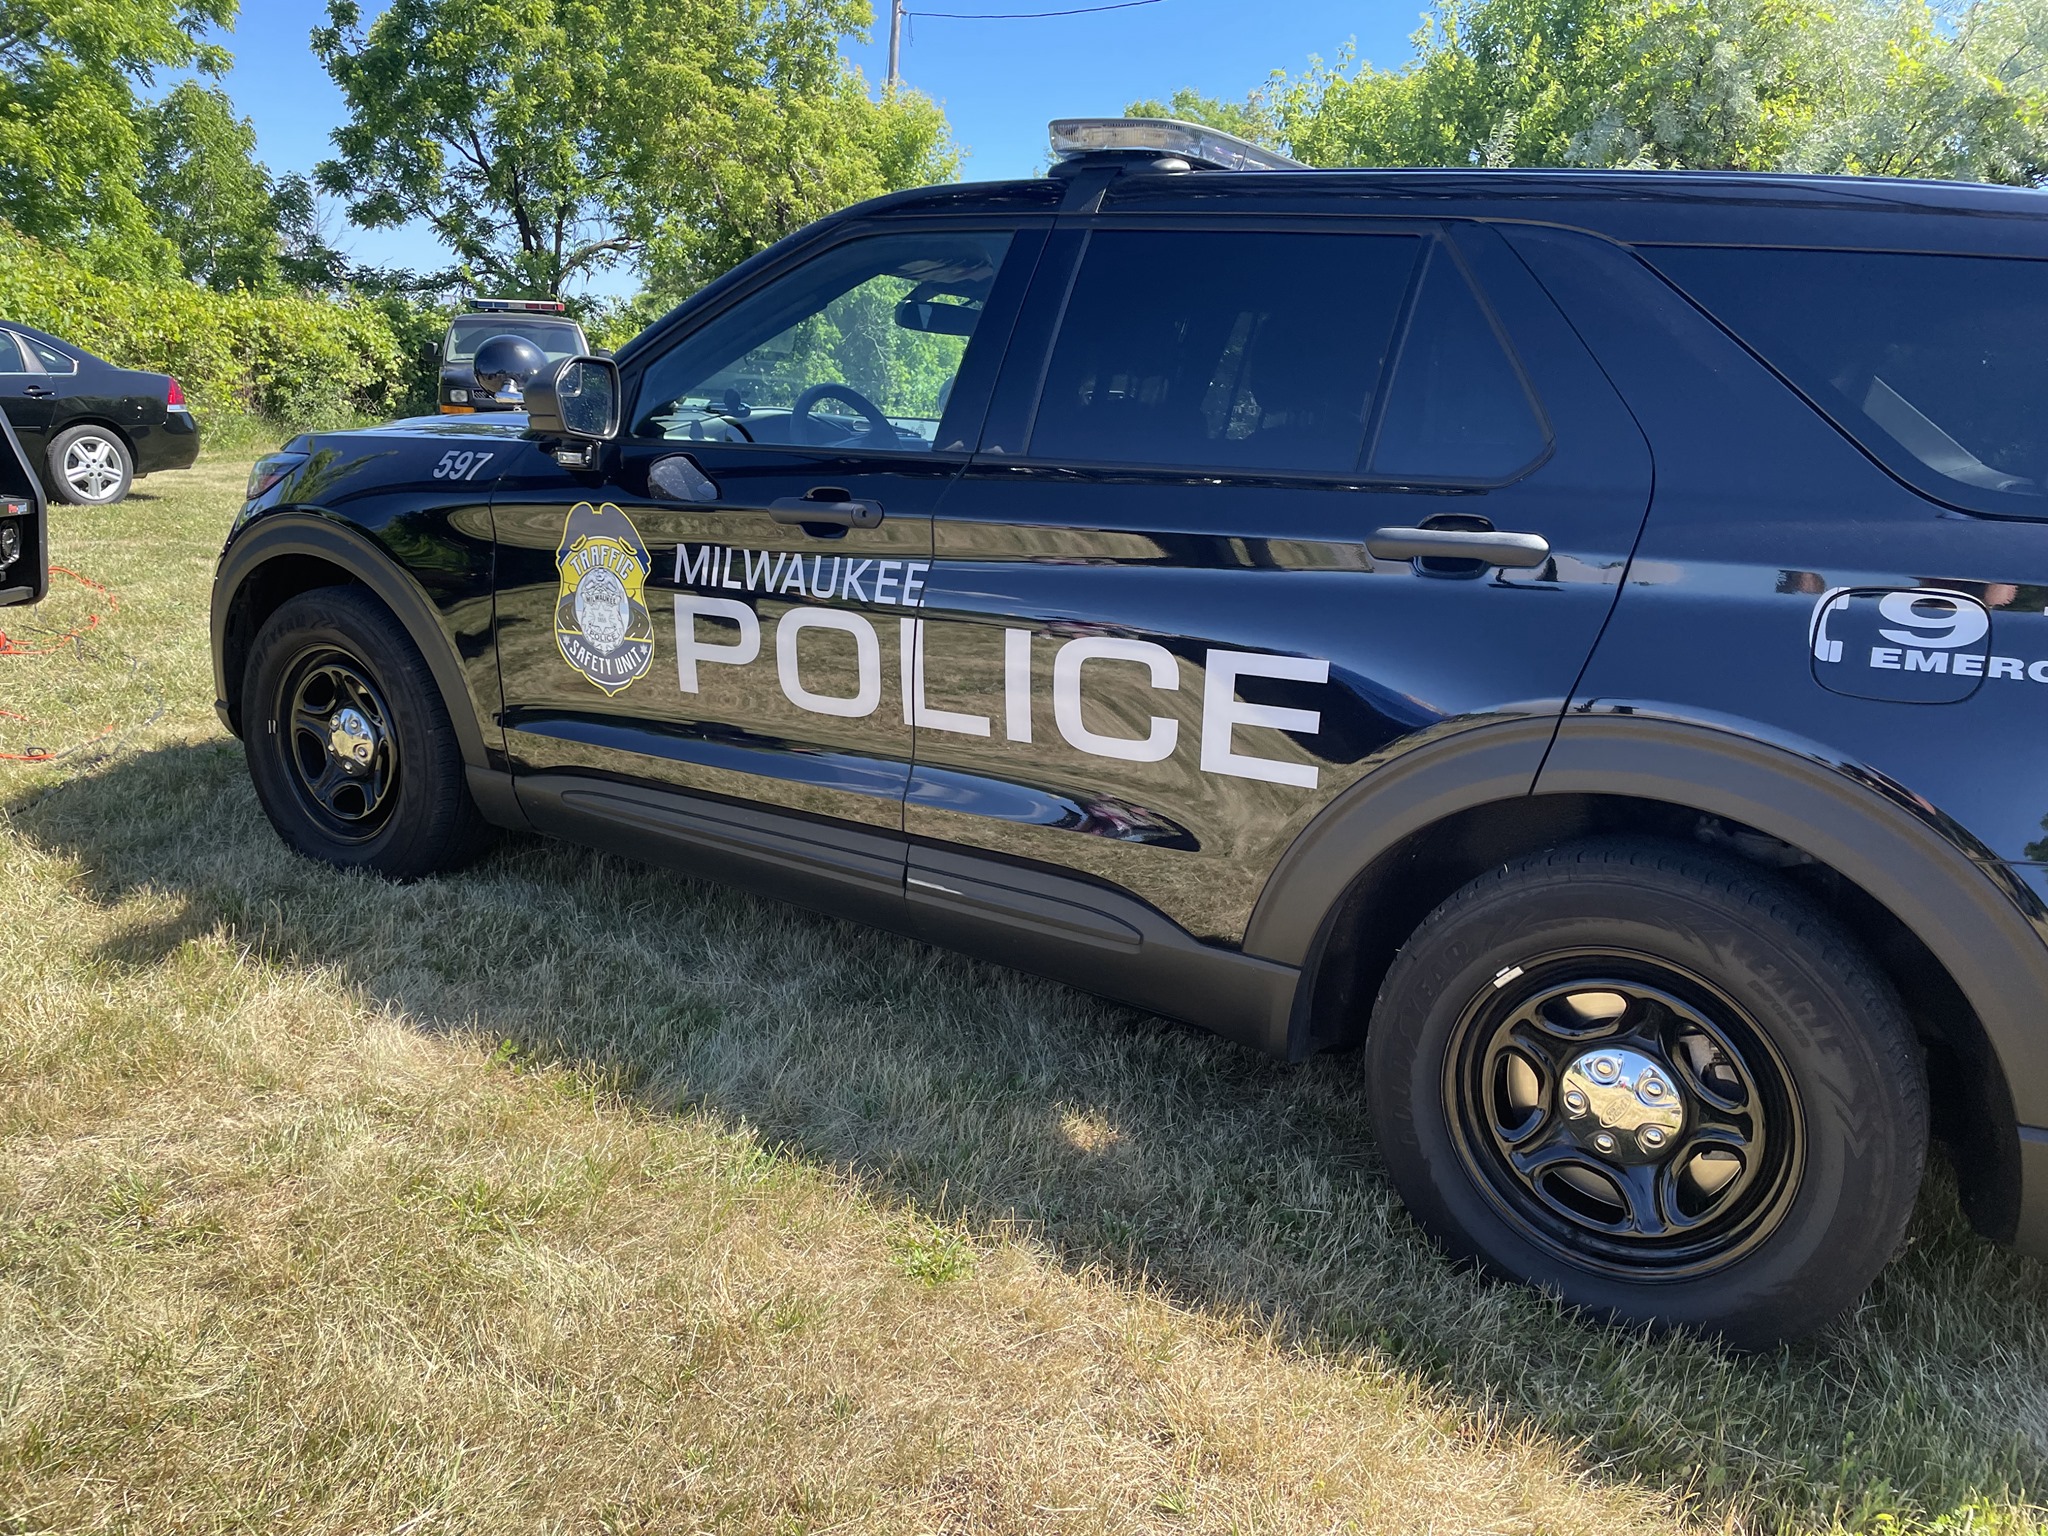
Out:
{"x": 294, "y": 359}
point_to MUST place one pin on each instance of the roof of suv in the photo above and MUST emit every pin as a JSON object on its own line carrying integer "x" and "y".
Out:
{"x": 1649, "y": 207}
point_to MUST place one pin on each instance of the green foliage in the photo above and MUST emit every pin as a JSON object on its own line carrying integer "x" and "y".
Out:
{"x": 1945, "y": 88}
{"x": 73, "y": 141}
{"x": 545, "y": 140}
{"x": 294, "y": 359}
{"x": 208, "y": 194}
{"x": 738, "y": 125}
{"x": 1252, "y": 118}
{"x": 472, "y": 115}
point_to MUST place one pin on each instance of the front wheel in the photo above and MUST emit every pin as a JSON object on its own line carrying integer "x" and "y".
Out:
{"x": 1661, "y": 1084}
{"x": 349, "y": 743}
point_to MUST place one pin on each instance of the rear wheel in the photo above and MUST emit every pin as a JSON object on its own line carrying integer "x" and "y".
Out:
{"x": 1661, "y": 1084}
{"x": 90, "y": 467}
{"x": 349, "y": 743}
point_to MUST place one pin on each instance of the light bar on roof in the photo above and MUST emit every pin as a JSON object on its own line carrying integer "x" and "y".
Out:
{"x": 521, "y": 306}
{"x": 1206, "y": 148}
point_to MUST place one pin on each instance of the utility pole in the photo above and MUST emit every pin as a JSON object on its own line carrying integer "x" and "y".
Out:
{"x": 895, "y": 43}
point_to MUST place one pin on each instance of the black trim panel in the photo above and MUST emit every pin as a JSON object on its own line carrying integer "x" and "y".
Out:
{"x": 1098, "y": 939}
{"x": 1022, "y": 916}
{"x": 2030, "y": 1221}
{"x": 1475, "y": 765}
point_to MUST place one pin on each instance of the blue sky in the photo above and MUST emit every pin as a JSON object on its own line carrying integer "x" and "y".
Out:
{"x": 1000, "y": 81}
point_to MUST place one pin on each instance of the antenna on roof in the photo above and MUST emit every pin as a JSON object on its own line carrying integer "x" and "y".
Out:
{"x": 1204, "y": 149}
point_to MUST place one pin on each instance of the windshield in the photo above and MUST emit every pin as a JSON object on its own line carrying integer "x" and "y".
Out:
{"x": 557, "y": 338}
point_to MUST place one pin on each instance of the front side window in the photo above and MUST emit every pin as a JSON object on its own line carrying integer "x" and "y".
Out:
{"x": 857, "y": 349}
{"x": 1937, "y": 365}
{"x": 1233, "y": 351}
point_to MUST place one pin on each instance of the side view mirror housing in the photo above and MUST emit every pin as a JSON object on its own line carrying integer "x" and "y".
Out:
{"x": 573, "y": 407}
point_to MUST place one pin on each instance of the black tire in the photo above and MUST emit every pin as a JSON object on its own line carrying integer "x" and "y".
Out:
{"x": 1745, "y": 1025}
{"x": 90, "y": 467}
{"x": 396, "y": 800}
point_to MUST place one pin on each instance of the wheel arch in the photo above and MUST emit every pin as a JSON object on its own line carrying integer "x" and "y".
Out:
{"x": 1953, "y": 930}
{"x": 288, "y": 553}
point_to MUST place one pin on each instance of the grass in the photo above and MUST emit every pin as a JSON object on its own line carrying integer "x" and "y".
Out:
{"x": 569, "y": 1196}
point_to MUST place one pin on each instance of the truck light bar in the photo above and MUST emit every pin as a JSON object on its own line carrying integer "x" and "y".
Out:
{"x": 1207, "y": 149}
{"x": 522, "y": 306}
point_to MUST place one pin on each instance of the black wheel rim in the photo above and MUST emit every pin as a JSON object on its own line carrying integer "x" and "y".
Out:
{"x": 1624, "y": 1113}
{"x": 341, "y": 757}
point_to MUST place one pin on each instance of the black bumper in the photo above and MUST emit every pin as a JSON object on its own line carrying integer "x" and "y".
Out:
{"x": 171, "y": 444}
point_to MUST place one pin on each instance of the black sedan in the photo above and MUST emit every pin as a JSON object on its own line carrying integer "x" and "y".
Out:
{"x": 88, "y": 427}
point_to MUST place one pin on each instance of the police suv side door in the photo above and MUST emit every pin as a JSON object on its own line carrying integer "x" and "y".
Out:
{"x": 1156, "y": 671}
{"x": 720, "y": 609}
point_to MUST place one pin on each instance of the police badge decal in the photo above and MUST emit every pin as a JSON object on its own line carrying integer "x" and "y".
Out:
{"x": 601, "y": 620}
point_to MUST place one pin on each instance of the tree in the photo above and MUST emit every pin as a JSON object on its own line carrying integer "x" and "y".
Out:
{"x": 1252, "y": 118}
{"x": 206, "y": 191}
{"x": 739, "y": 123}
{"x": 1955, "y": 88}
{"x": 547, "y": 140}
{"x": 72, "y": 135}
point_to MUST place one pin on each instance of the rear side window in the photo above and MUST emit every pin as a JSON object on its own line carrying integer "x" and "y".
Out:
{"x": 52, "y": 360}
{"x": 1457, "y": 408}
{"x": 1233, "y": 351}
{"x": 10, "y": 354}
{"x": 1937, "y": 365}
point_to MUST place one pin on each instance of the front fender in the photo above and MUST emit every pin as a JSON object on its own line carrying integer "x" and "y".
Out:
{"x": 292, "y": 534}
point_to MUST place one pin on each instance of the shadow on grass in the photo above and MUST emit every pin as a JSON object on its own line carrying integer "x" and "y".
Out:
{"x": 1128, "y": 1145}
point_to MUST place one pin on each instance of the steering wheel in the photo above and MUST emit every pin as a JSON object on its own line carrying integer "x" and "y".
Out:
{"x": 802, "y": 422}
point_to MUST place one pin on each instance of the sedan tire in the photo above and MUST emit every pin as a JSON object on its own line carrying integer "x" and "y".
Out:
{"x": 90, "y": 467}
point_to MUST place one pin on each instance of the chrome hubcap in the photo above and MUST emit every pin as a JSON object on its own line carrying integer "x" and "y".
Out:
{"x": 1624, "y": 1112}
{"x": 1620, "y": 1103}
{"x": 92, "y": 468}
{"x": 353, "y": 740}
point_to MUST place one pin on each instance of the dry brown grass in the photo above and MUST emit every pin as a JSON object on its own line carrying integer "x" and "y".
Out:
{"x": 569, "y": 1196}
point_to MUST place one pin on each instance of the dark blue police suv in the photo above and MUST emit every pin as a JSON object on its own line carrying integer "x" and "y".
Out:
{"x": 1579, "y": 637}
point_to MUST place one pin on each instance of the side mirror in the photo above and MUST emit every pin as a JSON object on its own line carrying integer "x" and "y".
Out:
{"x": 574, "y": 406}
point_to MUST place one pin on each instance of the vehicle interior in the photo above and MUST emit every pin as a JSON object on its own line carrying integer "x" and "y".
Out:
{"x": 858, "y": 350}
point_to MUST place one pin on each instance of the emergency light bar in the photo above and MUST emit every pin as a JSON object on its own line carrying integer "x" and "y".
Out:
{"x": 522, "y": 306}
{"x": 1207, "y": 149}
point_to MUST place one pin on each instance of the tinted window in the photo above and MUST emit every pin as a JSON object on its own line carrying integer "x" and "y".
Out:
{"x": 10, "y": 354}
{"x": 52, "y": 360}
{"x": 1456, "y": 406}
{"x": 1938, "y": 365}
{"x": 1252, "y": 351}
{"x": 556, "y": 338}
{"x": 858, "y": 348}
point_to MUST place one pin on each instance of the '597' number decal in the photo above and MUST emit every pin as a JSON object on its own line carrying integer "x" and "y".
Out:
{"x": 463, "y": 465}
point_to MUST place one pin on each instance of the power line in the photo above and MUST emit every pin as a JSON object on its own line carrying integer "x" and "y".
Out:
{"x": 899, "y": 12}
{"x": 1084, "y": 10}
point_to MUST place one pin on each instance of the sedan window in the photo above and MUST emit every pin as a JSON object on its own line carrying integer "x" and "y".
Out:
{"x": 11, "y": 360}
{"x": 52, "y": 360}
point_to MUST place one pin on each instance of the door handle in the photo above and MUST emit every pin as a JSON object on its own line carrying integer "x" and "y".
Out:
{"x": 38, "y": 392}
{"x": 842, "y": 511}
{"x": 1517, "y": 550}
